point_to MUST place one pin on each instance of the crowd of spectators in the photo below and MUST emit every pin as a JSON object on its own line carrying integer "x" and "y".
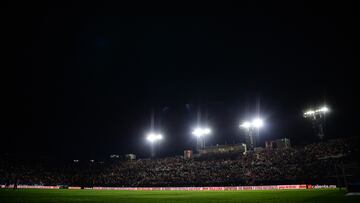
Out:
{"x": 314, "y": 163}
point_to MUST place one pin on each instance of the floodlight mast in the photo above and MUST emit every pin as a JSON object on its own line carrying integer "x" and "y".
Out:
{"x": 318, "y": 118}
{"x": 250, "y": 127}
{"x": 153, "y": 138}
{"x": 200, "y": 134}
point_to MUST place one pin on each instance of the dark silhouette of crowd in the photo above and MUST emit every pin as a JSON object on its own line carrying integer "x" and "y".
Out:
{"x": 318, "y": 163}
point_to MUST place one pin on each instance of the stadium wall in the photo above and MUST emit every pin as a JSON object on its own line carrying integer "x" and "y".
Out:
{"x": 267, "y": 187}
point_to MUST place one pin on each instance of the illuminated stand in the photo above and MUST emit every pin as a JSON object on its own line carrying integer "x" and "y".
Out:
{"x": 317, "y": 117}
{"x": 252, "y": 131}
{"x": 153, "y": 138}
{"x": 200, "y": 134}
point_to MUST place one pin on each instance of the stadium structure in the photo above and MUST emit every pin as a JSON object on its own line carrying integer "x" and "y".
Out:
{"x": 331, "y": 162}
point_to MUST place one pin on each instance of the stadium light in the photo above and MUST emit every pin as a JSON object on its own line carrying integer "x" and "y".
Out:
{"x": 323, "y": 109}
{"x": 319, "y": 111}
{"x": 153, "y": 137}
{"x": 256, "y": 123}
{"x": 207, "y": 131}
{"x": 246, "y": 125}
{"x": 309, "y": 113}
{"x": 199, "y": 132}
{"x": 252, "y": 129}
{"x": 317, "y": 117}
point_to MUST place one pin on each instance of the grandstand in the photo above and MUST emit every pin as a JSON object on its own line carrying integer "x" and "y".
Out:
{"x": 331, "y": 162}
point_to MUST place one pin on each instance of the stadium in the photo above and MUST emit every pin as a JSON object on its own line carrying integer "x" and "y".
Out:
{"x": 306, "y": 173}
{"x": 255, "y": 106}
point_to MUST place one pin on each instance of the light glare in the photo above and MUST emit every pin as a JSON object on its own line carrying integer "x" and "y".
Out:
{"x": 310, "y": 112}
{"x": 207, "y": 131}
{"x": 246, "y": 125}
{"x": 323, "y": 109}
{"x": 198, "y": 132}
{"x": 159, "y": 137}
{"x": 257, "y": 123}
{"x": 152, "y": 137}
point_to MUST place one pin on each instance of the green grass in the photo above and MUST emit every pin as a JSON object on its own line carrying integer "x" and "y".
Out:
{"x": 107, "y": 196}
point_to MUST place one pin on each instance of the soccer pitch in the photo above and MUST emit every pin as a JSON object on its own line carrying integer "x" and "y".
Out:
{"x": 107, "y": 196}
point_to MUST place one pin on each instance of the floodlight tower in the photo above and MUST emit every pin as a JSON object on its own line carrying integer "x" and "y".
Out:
{"x": 317, "y": 117}
{"x": 200, "y": 134}
{"x": 250, "y": 128}
{"x": 153, "y": 138}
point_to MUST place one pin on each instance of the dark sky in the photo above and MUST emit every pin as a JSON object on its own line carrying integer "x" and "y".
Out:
{"x": 81, "y": 83}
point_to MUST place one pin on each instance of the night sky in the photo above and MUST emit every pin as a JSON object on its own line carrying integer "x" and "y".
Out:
{"x": 83, "y": 83}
